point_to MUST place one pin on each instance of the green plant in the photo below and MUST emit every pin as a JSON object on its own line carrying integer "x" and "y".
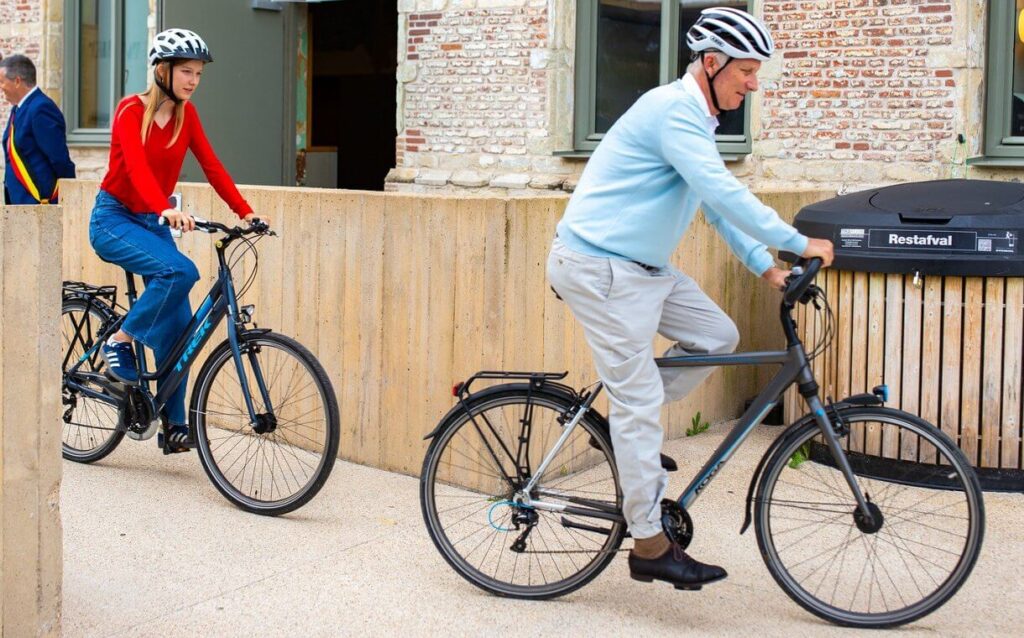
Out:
{"x": 697, "y": 425}
{"x": 801, "y": 455}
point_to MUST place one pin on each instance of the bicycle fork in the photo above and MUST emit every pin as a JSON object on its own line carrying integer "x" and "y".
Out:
{"x": 809, "y": 390}
{"x": 261, "y": 422}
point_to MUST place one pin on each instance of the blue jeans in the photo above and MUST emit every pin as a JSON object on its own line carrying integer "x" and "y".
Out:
{"x": 137, "y": 243}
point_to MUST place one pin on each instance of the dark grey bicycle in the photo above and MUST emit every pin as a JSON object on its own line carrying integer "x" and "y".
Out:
{"x": 263, "y": 411}
{"x": 865, "y": 515}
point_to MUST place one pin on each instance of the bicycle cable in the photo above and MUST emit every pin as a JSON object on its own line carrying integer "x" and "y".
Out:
{"x": 237, "y": 254}
{"x": 828, "y": 322}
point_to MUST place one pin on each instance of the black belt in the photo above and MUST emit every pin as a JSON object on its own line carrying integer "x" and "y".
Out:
{"x": 638, "y": 263}
{"x": 646, "y": 267}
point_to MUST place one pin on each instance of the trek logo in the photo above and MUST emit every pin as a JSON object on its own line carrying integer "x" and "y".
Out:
{"x": 707, "y": 479}
{"x": 919, "y": 240}
{"x": 190, "y": 350}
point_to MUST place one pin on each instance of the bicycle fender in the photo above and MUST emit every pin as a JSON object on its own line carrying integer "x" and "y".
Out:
{"x": 100, "y": 305}
{"x": 476, "y": 397}
{"x": 253, "y": 332}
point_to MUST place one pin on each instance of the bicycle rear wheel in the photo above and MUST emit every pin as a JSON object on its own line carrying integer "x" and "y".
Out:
{"x": 90, "y": 428}
{"x": 845, "y": 570}
{"x": 279, "y": 465}
{"x": 470, "y": 479}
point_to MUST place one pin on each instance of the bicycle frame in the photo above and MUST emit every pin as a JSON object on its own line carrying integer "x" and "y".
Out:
{"x": 795, "y": 368}
{"x": 220, "y": 302}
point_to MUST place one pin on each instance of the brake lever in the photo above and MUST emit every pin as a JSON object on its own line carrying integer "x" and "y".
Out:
{"x": 811, "y": 296}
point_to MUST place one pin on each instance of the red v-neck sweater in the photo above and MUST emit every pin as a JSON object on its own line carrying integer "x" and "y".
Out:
{"x": 142, "y": 177}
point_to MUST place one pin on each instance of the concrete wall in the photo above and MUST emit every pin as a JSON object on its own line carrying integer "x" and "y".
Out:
{"x": 30, "y": 409}
{"x": 399, "y": 296}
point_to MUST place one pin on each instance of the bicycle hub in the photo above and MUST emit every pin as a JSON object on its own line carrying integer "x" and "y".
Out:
{"x": 265, "y": 423}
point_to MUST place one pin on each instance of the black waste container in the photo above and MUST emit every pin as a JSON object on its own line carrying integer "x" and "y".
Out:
{"x": 928, "y": 291}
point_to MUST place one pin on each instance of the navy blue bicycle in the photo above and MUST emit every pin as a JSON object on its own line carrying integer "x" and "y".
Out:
{"x": 263, "y": 412}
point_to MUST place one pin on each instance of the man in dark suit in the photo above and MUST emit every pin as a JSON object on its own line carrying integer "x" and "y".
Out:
{"x": 35, "y": 145}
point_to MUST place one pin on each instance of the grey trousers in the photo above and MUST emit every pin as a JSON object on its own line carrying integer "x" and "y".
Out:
{"x": 621, "y": 305}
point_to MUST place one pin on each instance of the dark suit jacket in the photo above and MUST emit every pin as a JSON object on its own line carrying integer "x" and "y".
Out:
{"x": 41, "y": 143}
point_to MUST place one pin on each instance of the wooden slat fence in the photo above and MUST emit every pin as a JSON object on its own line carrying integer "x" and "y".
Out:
{"x": 950, "y": 350}
{"x": 401, "y": 295}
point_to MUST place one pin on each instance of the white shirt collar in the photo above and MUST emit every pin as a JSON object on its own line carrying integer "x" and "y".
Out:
{"x": 22, "y": 102}
{"x": 690, "y": 86}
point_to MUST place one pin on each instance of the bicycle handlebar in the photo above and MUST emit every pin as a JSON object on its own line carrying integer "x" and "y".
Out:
{"x": 257, "y": 226}
{"x": 804, "y": 272}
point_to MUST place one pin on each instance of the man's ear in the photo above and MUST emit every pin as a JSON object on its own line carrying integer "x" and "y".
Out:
{"x": 710, "y": 63}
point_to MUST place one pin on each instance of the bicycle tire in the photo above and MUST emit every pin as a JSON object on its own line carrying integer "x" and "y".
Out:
{"x": 587, "y": 459}
{"x": 85, "y": 418}
{"x": 897, "y": 458}
{"x": 292, "y": 447}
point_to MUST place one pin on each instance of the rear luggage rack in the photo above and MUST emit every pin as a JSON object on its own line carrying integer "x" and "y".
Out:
{"x": 89, "y": 291}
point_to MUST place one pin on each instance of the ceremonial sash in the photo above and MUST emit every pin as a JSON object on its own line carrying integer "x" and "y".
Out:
{"x": 21, "y": 172}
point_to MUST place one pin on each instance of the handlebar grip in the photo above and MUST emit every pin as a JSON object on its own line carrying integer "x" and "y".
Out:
{"x": 201, "y": 224}
{"x": 798, "y": 286}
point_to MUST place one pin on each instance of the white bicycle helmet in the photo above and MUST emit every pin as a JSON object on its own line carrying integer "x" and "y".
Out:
{"x": 178, "y": 44}
{"x": 733, "y": 32}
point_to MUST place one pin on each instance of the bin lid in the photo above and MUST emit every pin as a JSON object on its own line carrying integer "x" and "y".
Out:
{"x": 944, "y": 227}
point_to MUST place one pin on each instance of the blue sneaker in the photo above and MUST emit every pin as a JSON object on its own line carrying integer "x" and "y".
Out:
{"x": 120, "y": 358}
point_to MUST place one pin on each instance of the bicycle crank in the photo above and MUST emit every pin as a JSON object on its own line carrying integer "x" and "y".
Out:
{"x": 677, "y": 522}
{"x": 137, "y": 414}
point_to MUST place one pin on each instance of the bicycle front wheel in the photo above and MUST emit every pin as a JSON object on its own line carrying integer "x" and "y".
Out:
{"x": 927, "y": 507}
{"x": 279, "y": 463}
{"x": 483, "y": 456}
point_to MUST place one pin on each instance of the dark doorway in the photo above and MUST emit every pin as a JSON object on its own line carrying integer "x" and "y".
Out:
{"x": 353, "y": 54}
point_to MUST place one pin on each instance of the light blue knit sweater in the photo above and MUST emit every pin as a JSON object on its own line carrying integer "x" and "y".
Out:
{"x": 653, "y": 169}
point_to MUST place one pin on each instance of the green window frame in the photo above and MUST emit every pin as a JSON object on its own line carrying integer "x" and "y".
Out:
{"x": 117, "y": 78}
{"x": 1001, "y": 147}
{"x": 585, "y": 135}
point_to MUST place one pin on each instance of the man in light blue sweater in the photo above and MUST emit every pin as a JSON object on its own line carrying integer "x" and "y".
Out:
{"x": 610, "y": 262}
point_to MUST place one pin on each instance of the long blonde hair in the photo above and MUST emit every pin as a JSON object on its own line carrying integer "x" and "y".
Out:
{"x": 154, "y": 98}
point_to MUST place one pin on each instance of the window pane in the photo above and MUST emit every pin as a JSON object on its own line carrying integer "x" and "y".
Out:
{"x": 628, "y": 55}
{"x": 96, "y": 70}
{"x": 729, "y": 122}
{"x": 136, "y": 37}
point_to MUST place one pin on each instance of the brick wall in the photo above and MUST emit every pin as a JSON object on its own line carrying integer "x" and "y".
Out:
{"x": 858, "y": 83}
{"x": 863, "y": 92}
{"x": 23, "y": 30}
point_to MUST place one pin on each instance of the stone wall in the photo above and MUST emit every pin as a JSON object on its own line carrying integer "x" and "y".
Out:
{"x": 864, "y": 92}
{"x": 880, "y": 84}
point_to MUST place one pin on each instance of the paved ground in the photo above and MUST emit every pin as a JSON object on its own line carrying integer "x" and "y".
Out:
{"x": 152, "y": 549}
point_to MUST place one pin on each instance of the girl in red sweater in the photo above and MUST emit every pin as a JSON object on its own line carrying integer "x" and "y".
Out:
{"x": 150, "y": 135}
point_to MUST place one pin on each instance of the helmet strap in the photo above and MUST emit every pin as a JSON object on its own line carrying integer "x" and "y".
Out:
{"x": 711, "y": 81}
{"x": 167, "y": 87}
